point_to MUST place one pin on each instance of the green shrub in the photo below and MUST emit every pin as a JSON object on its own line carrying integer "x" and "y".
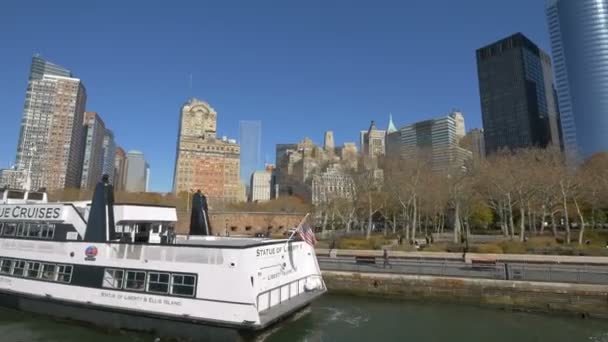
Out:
{"x": 513, "y": 247}
{"x": 489, "y": 248}
{"x": 360, "y": 242}
{"x": 436, "y": 247}
{"x": 355, "y": 243}
{"x": 542, "y": 242}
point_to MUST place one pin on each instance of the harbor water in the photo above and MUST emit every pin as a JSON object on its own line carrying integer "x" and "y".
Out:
{"x": 341, "y": 318}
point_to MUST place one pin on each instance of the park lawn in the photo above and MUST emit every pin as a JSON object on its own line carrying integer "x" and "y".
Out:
{"x": 535, "y": 245}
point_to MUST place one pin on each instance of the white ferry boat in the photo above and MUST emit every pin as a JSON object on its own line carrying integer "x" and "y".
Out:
{"x": 119, "y": 266}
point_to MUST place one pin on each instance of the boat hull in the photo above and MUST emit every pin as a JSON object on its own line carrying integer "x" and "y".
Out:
{"x": 133, "y": 320}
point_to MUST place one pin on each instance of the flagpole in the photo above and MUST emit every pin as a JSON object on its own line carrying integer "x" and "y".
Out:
{"x": 299, "y": 227}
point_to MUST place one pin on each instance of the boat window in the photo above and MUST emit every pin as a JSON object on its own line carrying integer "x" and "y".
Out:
{"x": 5, "y": 266}
{"x": 33, "y": 269}
{"x": 49, "y": 272}
{"x": 158, "y": 282}
{"x": 155, "y": 229}
{"x": 9, "y": 229}
{"x": 183, "y": 285}
{"x": 34, "y": 229}
{"x": 64, "y": 273}
{"x": 1, "y": 226}
{"x": 15, "y": 194}
{"x": 19, "y": 268}
{"x": 135, "y": 280}
{"x": 35, "y": 196}
{"x": 48, "y": 231}
{"x": 113, "y": 278}
{"x": 21, "y": 229}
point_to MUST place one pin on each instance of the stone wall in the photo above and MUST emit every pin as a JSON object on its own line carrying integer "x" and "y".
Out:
{"x": 574, "y": 299}
{"x": 246, "y": 223}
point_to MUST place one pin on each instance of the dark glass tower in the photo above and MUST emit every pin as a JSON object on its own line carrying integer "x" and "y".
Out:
{"x": 579, "y": 40}
{"x": 518, "y": 101}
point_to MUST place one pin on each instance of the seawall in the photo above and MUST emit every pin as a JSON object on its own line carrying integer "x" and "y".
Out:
{"x": 557, "y": 298}
{"x": 527, "y": 258}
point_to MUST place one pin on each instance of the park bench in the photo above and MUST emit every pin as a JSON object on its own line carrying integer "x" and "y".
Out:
{"x": 367, "y": 260}
{"x": 478, "y": 263}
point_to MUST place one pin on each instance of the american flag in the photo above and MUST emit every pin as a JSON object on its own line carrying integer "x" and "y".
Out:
{"x": 307, "y": 234}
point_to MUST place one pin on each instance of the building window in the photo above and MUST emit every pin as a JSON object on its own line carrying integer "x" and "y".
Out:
{"x": 248, "y": 228}
{"x": 135, "y": 281}
{"x": 5, "y": 266}
{"x": 19, "y": 268}
{"x": 64, "y": 273}
{"x": 158, "y": 282}
{"x": 49, "y": 272}
{"x": 33, "y": 269}
{"x": 113, "y": 278}
{"x": 233, "y": 228}
{"x": 183, "y": 285}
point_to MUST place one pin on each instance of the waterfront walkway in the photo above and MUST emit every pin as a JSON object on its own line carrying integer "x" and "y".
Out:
{"x": 544, "y": 268}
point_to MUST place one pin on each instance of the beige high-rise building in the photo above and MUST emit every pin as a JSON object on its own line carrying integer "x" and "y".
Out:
{"x": 51, "y": 144}
{"x": 349, "y": 154}
{"x": 459, "y": 124}
{"x": 261, "y": 185}
{"x": 328, "y": 143}
{"x": 474, "y": 142}
{"x": 373, "y": 141}
{"x": 202, "y": 160}
{"x": 120, "y": 169}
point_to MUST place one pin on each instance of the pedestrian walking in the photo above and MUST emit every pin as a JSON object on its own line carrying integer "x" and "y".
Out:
{"x": 465, "y": 248}
{"x": 386, "y": 261}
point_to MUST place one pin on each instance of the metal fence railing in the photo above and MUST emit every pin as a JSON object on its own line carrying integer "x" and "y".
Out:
{"x": 587, "y": 274}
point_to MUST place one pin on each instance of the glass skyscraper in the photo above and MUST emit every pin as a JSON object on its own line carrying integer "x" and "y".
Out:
{"x": 518, "y": 103}
{"x": 250, "y": 139}
{"x": 109, "y": 155}
{"x": 435, "y": 142}
{"x": 579, "y": 40}
{"x": 92, "y": 164}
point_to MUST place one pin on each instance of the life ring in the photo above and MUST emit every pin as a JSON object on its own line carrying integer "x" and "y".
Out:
{"x": 312, "y": 284}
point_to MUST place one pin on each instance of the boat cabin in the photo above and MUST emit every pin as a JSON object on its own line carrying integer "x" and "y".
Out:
{"x": 18, "y": 196}
{"x": 145, "y": 223}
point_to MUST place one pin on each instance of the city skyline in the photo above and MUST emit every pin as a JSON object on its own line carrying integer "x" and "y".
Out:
{"x": 143, "y": 94}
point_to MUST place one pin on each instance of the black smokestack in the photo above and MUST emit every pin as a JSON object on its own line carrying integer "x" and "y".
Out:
{"x": 199, "y": 220}
{"x": 101, "y": 215}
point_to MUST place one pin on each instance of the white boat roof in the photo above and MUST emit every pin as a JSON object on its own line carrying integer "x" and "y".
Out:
{"x": 143, "y": 213}
{"x": 220, "y": 241}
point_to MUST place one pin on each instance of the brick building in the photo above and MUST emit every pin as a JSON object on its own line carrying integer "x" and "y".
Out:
{"x": 202, "y": 160}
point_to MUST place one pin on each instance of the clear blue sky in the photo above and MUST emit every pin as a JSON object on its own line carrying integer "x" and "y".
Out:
{"x": 301, "y": 67}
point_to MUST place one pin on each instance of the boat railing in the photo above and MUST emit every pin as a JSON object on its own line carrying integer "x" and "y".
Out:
{"x": 284, "y": 292}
